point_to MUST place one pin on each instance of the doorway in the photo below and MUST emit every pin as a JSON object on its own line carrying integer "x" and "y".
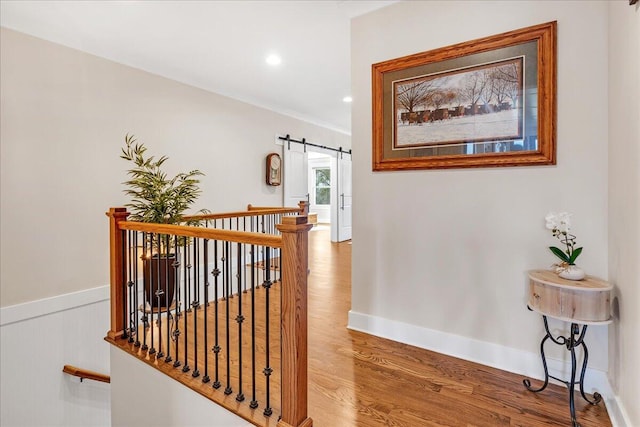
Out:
{"x": 321, "y": 185}
{"x": 322, "y": 177}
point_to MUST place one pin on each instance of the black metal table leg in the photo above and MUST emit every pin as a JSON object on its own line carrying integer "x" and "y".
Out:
{"x": 571, "y": 346}
{"x": 597, "y": 398}
{"x": 575, "y": 339}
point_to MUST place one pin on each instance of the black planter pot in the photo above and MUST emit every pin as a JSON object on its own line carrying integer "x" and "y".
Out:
{"x": 159, "y": 274}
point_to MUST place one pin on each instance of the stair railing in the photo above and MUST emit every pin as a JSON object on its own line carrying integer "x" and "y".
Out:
{"x": 236, "y": 248}
{"x": 85, "y": 374}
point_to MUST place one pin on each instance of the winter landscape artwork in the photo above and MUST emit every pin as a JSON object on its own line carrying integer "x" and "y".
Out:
{"x": 486, "y": 102}
{"x": 482, "y": 103}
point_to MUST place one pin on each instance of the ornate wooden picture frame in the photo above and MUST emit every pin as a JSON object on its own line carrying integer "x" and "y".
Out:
{"x": 482, "y": 103}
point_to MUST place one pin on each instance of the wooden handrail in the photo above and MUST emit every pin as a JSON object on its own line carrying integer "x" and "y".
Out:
{"x": 251, "y": 211}
{"x": 84, "y": 373}
{"x": 251, "y": 238}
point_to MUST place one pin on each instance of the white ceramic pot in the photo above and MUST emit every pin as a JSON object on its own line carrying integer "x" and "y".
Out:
{"x": 572, "y": 272}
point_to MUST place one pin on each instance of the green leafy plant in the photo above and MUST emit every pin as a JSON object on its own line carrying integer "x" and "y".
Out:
{"x": 155, "y": 197}
{"x": 559, "y": 224}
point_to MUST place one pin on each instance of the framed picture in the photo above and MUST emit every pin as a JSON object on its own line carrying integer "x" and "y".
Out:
{"x": 482, "y": 103}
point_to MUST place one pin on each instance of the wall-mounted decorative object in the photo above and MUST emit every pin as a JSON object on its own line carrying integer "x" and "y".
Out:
{"x": 481, "y": 103}
{"x": 274, "y": 169}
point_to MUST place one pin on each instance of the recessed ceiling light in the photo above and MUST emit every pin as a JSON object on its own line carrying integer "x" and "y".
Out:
{"x": 273, "y": 59}
{"x": 347, "y": 99}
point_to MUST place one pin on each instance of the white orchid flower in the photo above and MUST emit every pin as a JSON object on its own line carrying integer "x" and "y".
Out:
{"x": 552, "y": 220}
{"x": 564, "y": 222}
{"x": 560, "y": 224}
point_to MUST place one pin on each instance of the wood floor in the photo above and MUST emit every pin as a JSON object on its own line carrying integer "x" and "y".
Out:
{"x": 358, "y": 380}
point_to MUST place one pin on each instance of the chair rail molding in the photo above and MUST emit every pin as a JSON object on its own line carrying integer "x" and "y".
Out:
{"x": 42, "y": 307}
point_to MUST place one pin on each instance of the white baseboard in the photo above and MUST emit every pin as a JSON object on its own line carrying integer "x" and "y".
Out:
{"x": 42, "y": 307}
{"x": 498, "y": 356}
{"x": 617, "y": 413}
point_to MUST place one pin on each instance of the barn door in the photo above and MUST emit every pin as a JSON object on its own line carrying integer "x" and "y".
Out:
{"x": 345, "y": 196}
{"x": 295, "y": 176}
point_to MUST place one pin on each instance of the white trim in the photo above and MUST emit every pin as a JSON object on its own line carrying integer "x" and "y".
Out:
{"x": 618, "y": 415}
{"x": 42, "y": 307}
{"x": 489, "y": 354}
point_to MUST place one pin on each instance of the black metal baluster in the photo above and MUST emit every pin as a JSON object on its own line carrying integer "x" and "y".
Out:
{"x": 145, "y": 292}
{"x": 227, "y": 274}
{"x": 172, "y": 319}
{"x": 124, "y": 252}
{"x": 136, "y": 287}
{"x": 195, "y": 304}
{"x": 152, "y": 292}
{"x": 262, "y": 249}
{"x": 129, "y": 266}
{"x": 163, "y": 268}
{"x": 176, "y": 332}
{"x": 254, "y": 402}
{"x": 240, "y": 320}
{"x": 278, "y": 250}
{"x": 196, "y": 271}
{"x": 185, "y": 343}
{"x": 205, "y": 255}
{"x": 224, "y": 265}
{"x": 244, "y": 228}
{"x": 216, "y": 345}
{"x": 187, "y": 299}
{"x": 267, "y": 370}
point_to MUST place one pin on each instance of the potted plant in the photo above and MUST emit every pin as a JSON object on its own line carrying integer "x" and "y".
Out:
{"x": 156, "y": 198}
{"x": 560, "y": 225}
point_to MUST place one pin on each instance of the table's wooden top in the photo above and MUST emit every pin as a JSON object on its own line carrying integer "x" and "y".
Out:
{"x": 589, "y": 283}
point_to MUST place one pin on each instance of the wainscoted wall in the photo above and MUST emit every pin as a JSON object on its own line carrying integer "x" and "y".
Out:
{"x": 38, "y": 338}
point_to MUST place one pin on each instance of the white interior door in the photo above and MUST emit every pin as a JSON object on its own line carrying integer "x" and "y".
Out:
{"x": 345, "y": 197}
{"x": 294, "y": 170}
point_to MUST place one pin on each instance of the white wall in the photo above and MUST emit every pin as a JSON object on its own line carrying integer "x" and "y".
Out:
{"x": 624, "y": 203}
{"x": 162, "y": 401}
{"x": 37, "y": 340}
{"x": 445, "y": 251}
{"x": 64, "y": 117}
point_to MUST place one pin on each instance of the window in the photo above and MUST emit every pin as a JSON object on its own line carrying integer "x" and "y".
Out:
{"x": 323, "y": 186}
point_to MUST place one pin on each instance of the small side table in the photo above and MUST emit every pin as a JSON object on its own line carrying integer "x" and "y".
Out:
{"x": 582, "y": 303}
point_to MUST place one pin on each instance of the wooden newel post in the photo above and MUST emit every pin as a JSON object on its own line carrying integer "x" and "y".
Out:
{"x": 116, "y": 268}
{"x": 295, "y": 245}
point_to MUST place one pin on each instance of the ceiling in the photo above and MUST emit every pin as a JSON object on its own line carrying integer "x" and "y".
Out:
{"x": 219, "y": 46}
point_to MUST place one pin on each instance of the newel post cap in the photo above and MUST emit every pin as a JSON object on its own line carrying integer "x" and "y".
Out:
{"x": 292, "y": 224}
